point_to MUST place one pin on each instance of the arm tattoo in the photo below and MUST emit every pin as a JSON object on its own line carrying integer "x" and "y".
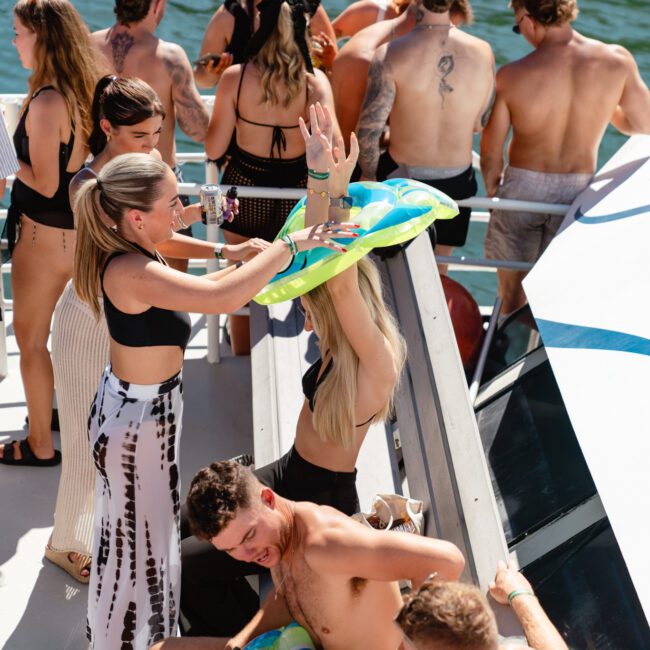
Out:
{"x": 493, "y": 95}
{"x": 120, "y": 45}
{"x": 376, "y": 108}
{"x": 192, "y": 116}
{"x": 445, "y": 67}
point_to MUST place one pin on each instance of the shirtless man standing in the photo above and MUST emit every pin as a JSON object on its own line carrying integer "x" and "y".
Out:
{"x": 334, "y": 576}
{"x": 131, "y": 49}
{"x": 349, "y": 74}
{"x": 558, "y": 101}
{"x": 437, "y": 86}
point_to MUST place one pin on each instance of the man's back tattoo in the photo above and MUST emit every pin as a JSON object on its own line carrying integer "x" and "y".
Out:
{"x": 121, "y": 44}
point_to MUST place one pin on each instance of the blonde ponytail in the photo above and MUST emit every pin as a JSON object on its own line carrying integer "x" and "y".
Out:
{"x": 128, "y": 181}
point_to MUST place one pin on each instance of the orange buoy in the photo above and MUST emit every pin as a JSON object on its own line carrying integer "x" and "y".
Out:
{"x": 466, "y": 319}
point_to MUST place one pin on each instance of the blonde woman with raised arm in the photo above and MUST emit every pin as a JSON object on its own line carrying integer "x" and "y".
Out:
{"x": 350, "y": 386}
{"x": 135, "y": 419}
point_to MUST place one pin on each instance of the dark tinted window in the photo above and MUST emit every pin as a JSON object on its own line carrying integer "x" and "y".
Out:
{"x": 515, "y": 337}
{"x": 586, "y": 590}
{"x": 537, "y": 468}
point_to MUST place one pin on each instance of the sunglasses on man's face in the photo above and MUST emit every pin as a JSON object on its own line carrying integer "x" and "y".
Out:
{"x": 516, "y": 28}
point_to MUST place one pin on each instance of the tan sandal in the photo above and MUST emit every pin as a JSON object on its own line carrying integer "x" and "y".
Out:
{"x": 75, "y": 568}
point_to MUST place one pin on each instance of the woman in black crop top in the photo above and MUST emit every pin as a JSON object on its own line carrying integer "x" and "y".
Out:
{"x": 347, "y": 389}
{"x": 51, "y": 143}
{"x": 135, "y": 420}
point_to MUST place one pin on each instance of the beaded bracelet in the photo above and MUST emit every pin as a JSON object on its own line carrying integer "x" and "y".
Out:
{"x": 519, "y": 592}
{"x": 323, "y": 194}
{"x": 319, "y": 176}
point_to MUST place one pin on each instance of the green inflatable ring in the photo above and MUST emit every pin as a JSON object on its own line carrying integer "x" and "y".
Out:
{"x": 388, "y": 213}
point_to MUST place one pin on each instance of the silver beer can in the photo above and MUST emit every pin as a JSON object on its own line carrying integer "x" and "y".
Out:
{"x": 210, "y": 197}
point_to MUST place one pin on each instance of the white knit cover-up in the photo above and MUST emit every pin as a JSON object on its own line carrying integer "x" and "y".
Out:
{"x": 80, "y": 350}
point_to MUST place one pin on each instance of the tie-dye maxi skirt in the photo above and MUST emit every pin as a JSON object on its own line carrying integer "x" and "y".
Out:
{"x": 134, "y": 588}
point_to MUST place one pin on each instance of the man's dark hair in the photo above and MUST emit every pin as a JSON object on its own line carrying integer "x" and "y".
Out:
{"x": 438, "y": 6}
{"x": 216, "y": 494}
{"x": 131, "y": 11}
{"x": 452, "y": 613}
{"x": 548, "y": 12}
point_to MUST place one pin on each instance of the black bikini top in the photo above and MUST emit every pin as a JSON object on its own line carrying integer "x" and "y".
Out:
{"x": 311, "y": 381}
{"x": 278, "y": 139}
{"x": 152, "y": 327}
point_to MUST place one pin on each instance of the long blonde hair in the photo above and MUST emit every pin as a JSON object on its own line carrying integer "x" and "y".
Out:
{"x": 131, "y": 180}
{"x": 280, "y": 61}
{"x": 63, "y": 56}
{"x": 334, "y": 407}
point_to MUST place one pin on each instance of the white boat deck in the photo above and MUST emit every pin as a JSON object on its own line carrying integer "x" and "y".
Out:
{"x": 40, "y": 605}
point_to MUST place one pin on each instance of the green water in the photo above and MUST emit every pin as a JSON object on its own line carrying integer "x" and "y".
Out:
{"x": 618, "y": 21}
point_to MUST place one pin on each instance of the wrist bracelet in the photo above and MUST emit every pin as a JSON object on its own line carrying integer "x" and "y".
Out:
{"x": 218, "y": 251}
{"x": 293, "y": 247}
{"x": 323, "y": 194}
{"x": 519, "y": 592}
{"x": 319, "y": 176}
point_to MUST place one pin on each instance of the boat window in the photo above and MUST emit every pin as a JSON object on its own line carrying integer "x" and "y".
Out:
{"x": 536, "y": 466}
{"x": 514, "y": 338}
{"x": 586, "y": 590}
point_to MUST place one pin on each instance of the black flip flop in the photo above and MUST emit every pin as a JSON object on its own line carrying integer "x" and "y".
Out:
{"x": 28, "y": 457}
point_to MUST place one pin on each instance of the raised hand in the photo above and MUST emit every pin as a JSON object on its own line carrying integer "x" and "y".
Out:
{"x": 340, "y": 167}
{"x": 318, "y": 141}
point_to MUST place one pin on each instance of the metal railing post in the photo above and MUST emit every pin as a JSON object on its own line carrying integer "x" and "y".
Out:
{"x": 212, "y": 235}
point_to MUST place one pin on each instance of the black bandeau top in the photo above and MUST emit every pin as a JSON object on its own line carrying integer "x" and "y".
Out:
{"x": 311, "y": 381}
{"x": 152, "y": 327}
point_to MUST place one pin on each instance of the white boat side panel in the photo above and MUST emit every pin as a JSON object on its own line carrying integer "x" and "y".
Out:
{"x": 589, "y": 295}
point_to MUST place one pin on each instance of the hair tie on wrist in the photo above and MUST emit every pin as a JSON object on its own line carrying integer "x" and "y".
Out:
{"x": 319, "y": 176}
{"x": 519, "y": 592}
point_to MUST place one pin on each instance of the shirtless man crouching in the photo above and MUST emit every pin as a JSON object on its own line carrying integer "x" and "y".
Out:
{"x": 334, "y": 576}
{"x": 558, "y": 100}
{"x": 436, "y": 84}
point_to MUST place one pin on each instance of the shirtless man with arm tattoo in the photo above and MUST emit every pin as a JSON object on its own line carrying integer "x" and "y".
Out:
{"x": 131, "y": 49}
{"x": 436, "y": 84}
{"x": 332, "y": 575}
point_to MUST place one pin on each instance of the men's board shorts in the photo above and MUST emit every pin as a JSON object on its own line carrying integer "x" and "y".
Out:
{"x": 462, "y": 185}
{"x": 523, "y": 236}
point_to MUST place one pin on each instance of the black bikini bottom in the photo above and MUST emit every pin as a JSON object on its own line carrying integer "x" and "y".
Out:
{"x": 449, "y": 232}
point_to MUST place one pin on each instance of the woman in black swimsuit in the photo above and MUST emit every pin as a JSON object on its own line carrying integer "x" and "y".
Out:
{"x": 260, "y": 103}
{"x": 135, "y": 420}
{"x": 346, "y": 390}
{"x": 50, "y": 140}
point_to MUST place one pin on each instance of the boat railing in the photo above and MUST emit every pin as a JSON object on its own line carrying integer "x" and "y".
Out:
{"x": 10, "y": 105}
{"x": 479, "y": 205}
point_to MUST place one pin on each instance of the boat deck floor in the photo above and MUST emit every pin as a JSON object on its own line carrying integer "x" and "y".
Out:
{"x": 40, "y": 605}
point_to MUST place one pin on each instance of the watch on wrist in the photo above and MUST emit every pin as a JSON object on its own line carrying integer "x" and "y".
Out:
{"x": 218, "y": 251}
{"x": 342, "y": 202}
